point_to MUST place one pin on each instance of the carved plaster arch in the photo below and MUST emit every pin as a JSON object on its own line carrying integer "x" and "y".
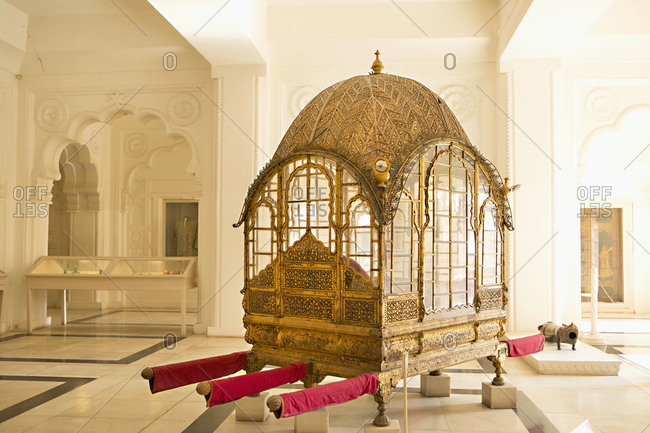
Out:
{"x": 127, "y": 192}
{"x": 80, "y": 179}
{"x": 621, "y": 146}
{"x": 48, "y": 167}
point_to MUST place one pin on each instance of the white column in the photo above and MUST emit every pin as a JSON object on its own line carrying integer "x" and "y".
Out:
{"x": 532, "y": 161}
{"x": 510, "y": 172}
{"x": 593, "y": 337}
{"x": 237, "y": 162}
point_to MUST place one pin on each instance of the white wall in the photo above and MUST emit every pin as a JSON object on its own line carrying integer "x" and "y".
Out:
{"x": 231, "y": 117}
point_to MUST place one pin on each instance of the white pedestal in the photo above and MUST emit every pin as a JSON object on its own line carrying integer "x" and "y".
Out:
{"x": 499, "y": 397}
{"x": 435, "y": 386}
{"x": 316, "y": 421}
{"x": 392, "y": 428}
{"x": 584, "y": 361}
{"x": 594, "y": 339}
{"x": 252, "y": 408}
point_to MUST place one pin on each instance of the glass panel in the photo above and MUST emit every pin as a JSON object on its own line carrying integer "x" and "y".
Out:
{"x": 458, "y": 299}
{"x": 86, "y": 266}
{"x": 610, "y": 252}
{"x": 441, "y": 301}
{"x": 298, "y": 215}
{"x": 471, "y": 289}
{"x": 469, "y": 160}
{"x": 428, "y": 268}
{"x": 459, "y": 229}
{"x": 401, "y": 274}
{"x": 263, "y": 240}
{"x": 441, "y": 176}
{"x": 441, "y": 227}
{"x": 428, "y": 296}
{"x": 262, "y": 262}
{"x": 490, "y": 218}
{"x": 489, "y": 268}
{"x": 441, "y": 204}
{"x": 458, "y": 254}
{"x": 489, "y": 279}
{"x": 413, "y": 181}
{"x": 441, "y": 281}
{"x": 471, "y": 245}
{"x": 150, "y": 267}
{"x": 444, "y": 158}
{"x": 442, "y": 255}
{"x": 458, "y": 204}
{"x": 490, "y": 242}
{"x": 71, "y": 266}
{"x": 428, "y": 240}
{"x": 458, "y": 178}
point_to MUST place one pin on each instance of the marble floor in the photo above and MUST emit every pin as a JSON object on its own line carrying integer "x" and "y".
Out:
{"x": 85, "y": 377}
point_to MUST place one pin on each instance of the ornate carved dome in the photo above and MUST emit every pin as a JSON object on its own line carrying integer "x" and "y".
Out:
{"x": 366, "y": 117}
{"x": 371, "y": 116}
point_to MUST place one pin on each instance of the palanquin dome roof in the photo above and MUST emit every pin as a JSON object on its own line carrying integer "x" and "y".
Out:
{"x": 358, "y": 120}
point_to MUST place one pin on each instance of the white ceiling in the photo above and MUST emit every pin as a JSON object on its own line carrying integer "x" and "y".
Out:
{"x": 86, "y": 36}
{"x": 67, "y": 36}
{"x": 76, "y": 7}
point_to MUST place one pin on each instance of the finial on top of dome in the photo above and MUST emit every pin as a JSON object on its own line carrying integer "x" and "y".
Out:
{"x": 377, "y": 66}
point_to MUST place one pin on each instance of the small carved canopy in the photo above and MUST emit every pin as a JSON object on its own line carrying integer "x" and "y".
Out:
{"x": 366, "y": 117}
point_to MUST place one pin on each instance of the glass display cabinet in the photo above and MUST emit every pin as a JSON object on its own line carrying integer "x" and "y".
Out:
{"x": 112, "y": 273}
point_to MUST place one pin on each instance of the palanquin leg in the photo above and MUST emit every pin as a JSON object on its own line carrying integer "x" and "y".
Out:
{"x": 497, "y": 361}
{"x": 382, "y": 396}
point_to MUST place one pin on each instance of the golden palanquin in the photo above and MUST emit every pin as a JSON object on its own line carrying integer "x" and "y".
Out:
{"x": 376, "y": 229}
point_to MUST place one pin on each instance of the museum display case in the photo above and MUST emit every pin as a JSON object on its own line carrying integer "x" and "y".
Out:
{"x": 112, "y": 273}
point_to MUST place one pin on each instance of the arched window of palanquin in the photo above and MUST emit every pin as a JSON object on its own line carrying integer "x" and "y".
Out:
{"x": 490, "y": 242}
{"x": 261, "y": 240}
{"x": 402, "y": 237}
{"x": 309, "y": 200}
{"x": 361, "y": 236}
{"x": 449, "y": 240}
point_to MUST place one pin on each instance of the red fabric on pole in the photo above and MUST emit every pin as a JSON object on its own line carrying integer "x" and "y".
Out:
{"x": 298, "y": 402}
{"x": 525, "y": 345}
{"x": 232, "y": 388}
{"x": 184, "y": 373}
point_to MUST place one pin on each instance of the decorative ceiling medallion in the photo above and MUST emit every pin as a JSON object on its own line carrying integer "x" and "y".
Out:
{"x": 300, "y": 97}
{"x": 601, "y": 105}
{"x": 183, "y": 109}
{"x": 52, "y": 115}
{"x": 461, "y": 100}
{"x": 136, "y": 145}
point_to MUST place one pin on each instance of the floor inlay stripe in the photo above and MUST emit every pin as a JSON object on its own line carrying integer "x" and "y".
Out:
{"x": 125, "y": 360}
{"x": 69, "y": 383}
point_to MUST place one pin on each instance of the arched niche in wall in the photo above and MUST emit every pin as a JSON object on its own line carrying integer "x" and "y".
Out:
{"x": 154, "y": 168}
{"x": 75, "y": 200}
{"x": 72, "y": 215}
{"x": 97, "y": 131}
{"x": 614, "y": 196}
{"x": 97, "y": 136}
{"x": 615, "y": 149}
